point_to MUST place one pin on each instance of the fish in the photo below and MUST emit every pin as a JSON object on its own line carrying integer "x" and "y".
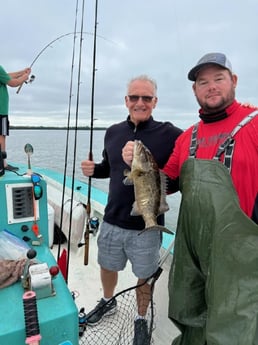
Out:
{"x": 149, "y": 187}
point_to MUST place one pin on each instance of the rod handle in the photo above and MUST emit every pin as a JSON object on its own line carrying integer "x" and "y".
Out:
{"x": 86, "y": 245}
{"x": 19, "y": 88}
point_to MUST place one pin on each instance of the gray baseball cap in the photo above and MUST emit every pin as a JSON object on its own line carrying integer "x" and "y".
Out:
{"x": 211, "y": 58}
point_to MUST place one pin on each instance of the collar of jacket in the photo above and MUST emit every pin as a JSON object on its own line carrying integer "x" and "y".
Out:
{"x": 213, "y": 117}
{"x": 141, "y": 125}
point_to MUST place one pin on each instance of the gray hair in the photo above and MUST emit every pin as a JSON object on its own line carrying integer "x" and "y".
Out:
{"x": 144, "y": 77}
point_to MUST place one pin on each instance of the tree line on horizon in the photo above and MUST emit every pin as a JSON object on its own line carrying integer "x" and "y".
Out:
{"x": 57, "y": 127}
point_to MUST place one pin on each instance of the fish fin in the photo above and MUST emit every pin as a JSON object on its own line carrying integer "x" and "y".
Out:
{"x": 164, "y": 207}
{"x": 127, "y": 181}
{"x": 157, "y": 227}
{"x": 135, "y": 210}
{"x": 163, "y": 181}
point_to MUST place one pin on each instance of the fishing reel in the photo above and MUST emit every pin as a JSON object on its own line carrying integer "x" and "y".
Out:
{"x": 82, "y": 321}
{"x": 32, "y": 78}
{"x": 94, "y": 225}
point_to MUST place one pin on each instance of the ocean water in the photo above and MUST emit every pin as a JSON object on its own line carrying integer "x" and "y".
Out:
{"x": 49, "y": 151}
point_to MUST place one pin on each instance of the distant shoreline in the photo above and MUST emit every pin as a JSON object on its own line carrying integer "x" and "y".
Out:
{"x": 83, "y": 128}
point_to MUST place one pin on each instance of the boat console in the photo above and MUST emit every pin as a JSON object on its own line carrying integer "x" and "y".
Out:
{"x": 24, "y": 213}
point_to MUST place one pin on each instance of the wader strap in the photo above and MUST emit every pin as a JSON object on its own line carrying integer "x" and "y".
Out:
{"x": 193, "y": 145}
{"x": 228, "y": 145}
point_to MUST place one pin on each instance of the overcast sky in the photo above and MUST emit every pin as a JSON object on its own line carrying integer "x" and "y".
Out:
{"x": 163, "y": 39}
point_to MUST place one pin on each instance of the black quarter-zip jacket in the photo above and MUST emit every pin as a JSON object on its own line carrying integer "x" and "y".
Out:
{"x": 159, "y": 137}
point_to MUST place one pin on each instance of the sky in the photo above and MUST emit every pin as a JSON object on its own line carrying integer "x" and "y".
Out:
{"x": 163, "y": 39}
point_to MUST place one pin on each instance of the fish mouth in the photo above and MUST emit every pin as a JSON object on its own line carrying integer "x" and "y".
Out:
{"x": 142, "y": 157}
{"x": 138, "y": 144}
{"x": 140, "y": 149}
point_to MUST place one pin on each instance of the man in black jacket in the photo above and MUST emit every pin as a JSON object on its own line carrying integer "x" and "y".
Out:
{"x": 118, "y": 240}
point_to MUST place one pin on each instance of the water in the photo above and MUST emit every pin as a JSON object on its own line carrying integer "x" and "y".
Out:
{"x": 49, "y": 152}
{"x": 50, "y": 148}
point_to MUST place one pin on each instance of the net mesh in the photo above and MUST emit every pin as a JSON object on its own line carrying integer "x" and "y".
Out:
{"x": 118, "y": 329}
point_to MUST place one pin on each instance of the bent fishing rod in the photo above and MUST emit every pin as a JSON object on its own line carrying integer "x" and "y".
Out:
{"x": 42, "y": 51}
{"x": 32, "y": 78}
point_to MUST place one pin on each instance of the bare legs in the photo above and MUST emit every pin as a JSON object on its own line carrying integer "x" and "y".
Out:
{"x": 143, "y": 294}
{"x": 2, "y": 145}
{"x": 109, "y": 281}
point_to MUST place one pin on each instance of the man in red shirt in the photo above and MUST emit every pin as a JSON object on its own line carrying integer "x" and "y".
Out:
{"x": 213, "y": 294}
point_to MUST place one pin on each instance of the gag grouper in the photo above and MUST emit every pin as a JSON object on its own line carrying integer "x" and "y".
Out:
{"x": 149, "y": 187}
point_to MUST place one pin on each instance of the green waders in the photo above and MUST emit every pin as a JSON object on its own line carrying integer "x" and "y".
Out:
{"x": 213, "y": 280}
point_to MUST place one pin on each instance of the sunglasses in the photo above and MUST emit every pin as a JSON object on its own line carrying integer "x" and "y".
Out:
{"x": 135, "y": 98}
{"x": 37, "y": 188}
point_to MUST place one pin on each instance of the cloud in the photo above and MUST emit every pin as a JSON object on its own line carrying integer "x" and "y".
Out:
{"x": 163, "y": 39}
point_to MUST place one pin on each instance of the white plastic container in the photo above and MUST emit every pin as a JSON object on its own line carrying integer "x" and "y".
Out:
{"x": 51, "y": 224}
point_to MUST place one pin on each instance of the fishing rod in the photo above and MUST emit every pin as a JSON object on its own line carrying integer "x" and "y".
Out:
{"x": 88, "y": 206}
{"x": 64, "y": 258}
{"x": 76, "y": 127}
{"x": 50, "y": 44}
{"x": 42, "y": 51}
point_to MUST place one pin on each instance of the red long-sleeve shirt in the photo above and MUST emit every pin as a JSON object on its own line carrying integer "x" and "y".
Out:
{"x": 244, "y": 171}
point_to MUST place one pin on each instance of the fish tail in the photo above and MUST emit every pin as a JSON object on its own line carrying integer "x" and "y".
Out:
{"x": 157, "y": 227}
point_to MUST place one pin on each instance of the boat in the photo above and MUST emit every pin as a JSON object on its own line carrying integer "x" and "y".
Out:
{"x": 79, "y": 189}
{"x": 25, "y": 215}
{"x": 61, "y": 301}
{"x": 48, "y": 302}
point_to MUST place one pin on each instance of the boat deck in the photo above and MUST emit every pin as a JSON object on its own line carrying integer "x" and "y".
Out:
{"x": 84, "y": 282}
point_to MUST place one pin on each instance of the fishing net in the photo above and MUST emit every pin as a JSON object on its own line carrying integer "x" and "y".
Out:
{"x": 118, "y": 329}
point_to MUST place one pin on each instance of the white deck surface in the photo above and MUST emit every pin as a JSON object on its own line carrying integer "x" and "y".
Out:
{"x": 85, "y": 282}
